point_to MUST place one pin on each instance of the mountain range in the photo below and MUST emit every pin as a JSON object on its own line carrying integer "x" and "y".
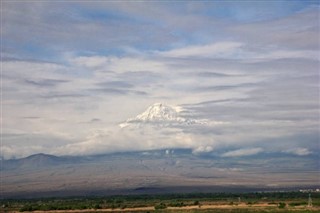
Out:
{"x": 157, "y": 171}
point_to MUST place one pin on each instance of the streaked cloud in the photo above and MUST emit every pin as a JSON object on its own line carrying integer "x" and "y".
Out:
{"x": 299, "y": 151}
{"x": 243, "y": 152}
{"x": 217, "y": 50}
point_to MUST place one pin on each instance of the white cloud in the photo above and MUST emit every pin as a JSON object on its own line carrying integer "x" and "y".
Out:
{"x": 238, "y": 50}
{"x": 298, "y": 32}
{"x": 282, "y": 54}
{"x": 118, "y": 64}
{"x": 218, "y": 50}
{"x": 31, "y": 70}
{"x": 202, "y": 149}
{"x": 90, "y": 62}
{"x": 147, "y": 138}
{"x": 243, "y": 152}
{"x": 298, "y": 151}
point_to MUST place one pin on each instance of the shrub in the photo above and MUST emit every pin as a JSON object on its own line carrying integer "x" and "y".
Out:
{"x": 282, "y": 205}
{"x": 97, "y": 206}
{"x": 298, "y": 203}
{"x": 177, "y": 204}
{"x": 160, "y": 206}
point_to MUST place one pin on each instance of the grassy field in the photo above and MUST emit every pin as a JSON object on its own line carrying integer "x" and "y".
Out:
{"x": 217, "y": 202}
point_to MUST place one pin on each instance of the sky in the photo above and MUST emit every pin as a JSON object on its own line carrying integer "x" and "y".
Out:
{"x": 72, "y": 71}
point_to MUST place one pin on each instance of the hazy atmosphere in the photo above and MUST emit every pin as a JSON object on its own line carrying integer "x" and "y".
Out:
{"x": 222, "y": 79}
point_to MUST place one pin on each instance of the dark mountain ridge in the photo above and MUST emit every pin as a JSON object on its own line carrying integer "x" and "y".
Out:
{"x": 156, "y": 171}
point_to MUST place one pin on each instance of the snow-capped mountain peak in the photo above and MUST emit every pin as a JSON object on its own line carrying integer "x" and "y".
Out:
{"x": 157, "y": 113}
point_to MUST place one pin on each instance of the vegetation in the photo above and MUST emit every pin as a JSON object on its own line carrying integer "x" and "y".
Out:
{"x": 282, "y": 205}
{"x": 160, "y": 206}
{"x": 303, "y": 203}
{"x": 196, "y": 203}
{"x": 277, "y": 202}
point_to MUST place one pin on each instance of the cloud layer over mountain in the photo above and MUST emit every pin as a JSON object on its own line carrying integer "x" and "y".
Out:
{"x": 246, "y": 82}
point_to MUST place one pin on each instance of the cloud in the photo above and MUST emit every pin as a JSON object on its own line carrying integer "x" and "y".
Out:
{"x": 213, "y": 75}
{"x": 22, "y": 144}
{"x": 112, "y": 91}
{"x": 152, "y": 26}
{"x": 90, "y": 62}
{"x": 95, "y": 120}
{"x": 202, "y": 149}
{"x": 217, "y": 50}
{"x": 51, "y": 96}
{"x": 280, "y": 54}
{"x": 243, "y": 105}
{"x": 117, "y": 84}
{"x": 237, "y": 50}
{"x": 226, "y": 87}
{"x": 238, "y": 106}
{"x": 36, "y": 70}
{"x": 255, "y": 81}
{"x": 122, "y": 140}
{"x": 243, "y": 152}
{"x": 118, "y": 88}
{"x": 299, "y": 34}
{"x": 298, "y": 151}
{"x": 46, "y": 82}
{"x": 118, "y": 64}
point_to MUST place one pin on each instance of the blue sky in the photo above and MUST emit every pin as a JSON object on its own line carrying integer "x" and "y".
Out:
{"x": 74, "y": 70}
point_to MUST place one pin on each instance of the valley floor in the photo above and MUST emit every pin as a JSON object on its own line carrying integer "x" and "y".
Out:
{"x": 266, "y": 202}
{"x": 239, "y": 208}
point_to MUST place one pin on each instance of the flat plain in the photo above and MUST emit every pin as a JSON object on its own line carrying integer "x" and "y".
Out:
{"x": 192, "y": 202}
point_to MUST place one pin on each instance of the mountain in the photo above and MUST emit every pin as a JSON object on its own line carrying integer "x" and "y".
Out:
{"x": 136, "y": 172}
{"x": 160, "y": 114}
{"x": 36, "y": 161}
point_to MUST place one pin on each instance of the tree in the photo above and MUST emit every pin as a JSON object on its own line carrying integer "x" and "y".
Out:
{"x": 282, "y": 205}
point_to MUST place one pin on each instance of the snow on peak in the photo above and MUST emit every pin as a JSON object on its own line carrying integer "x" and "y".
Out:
{"x": 157, "y": 113}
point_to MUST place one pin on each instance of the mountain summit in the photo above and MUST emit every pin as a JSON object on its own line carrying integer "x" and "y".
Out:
{"x": 157, "y": 113}
{"x": 160, "y": 112}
